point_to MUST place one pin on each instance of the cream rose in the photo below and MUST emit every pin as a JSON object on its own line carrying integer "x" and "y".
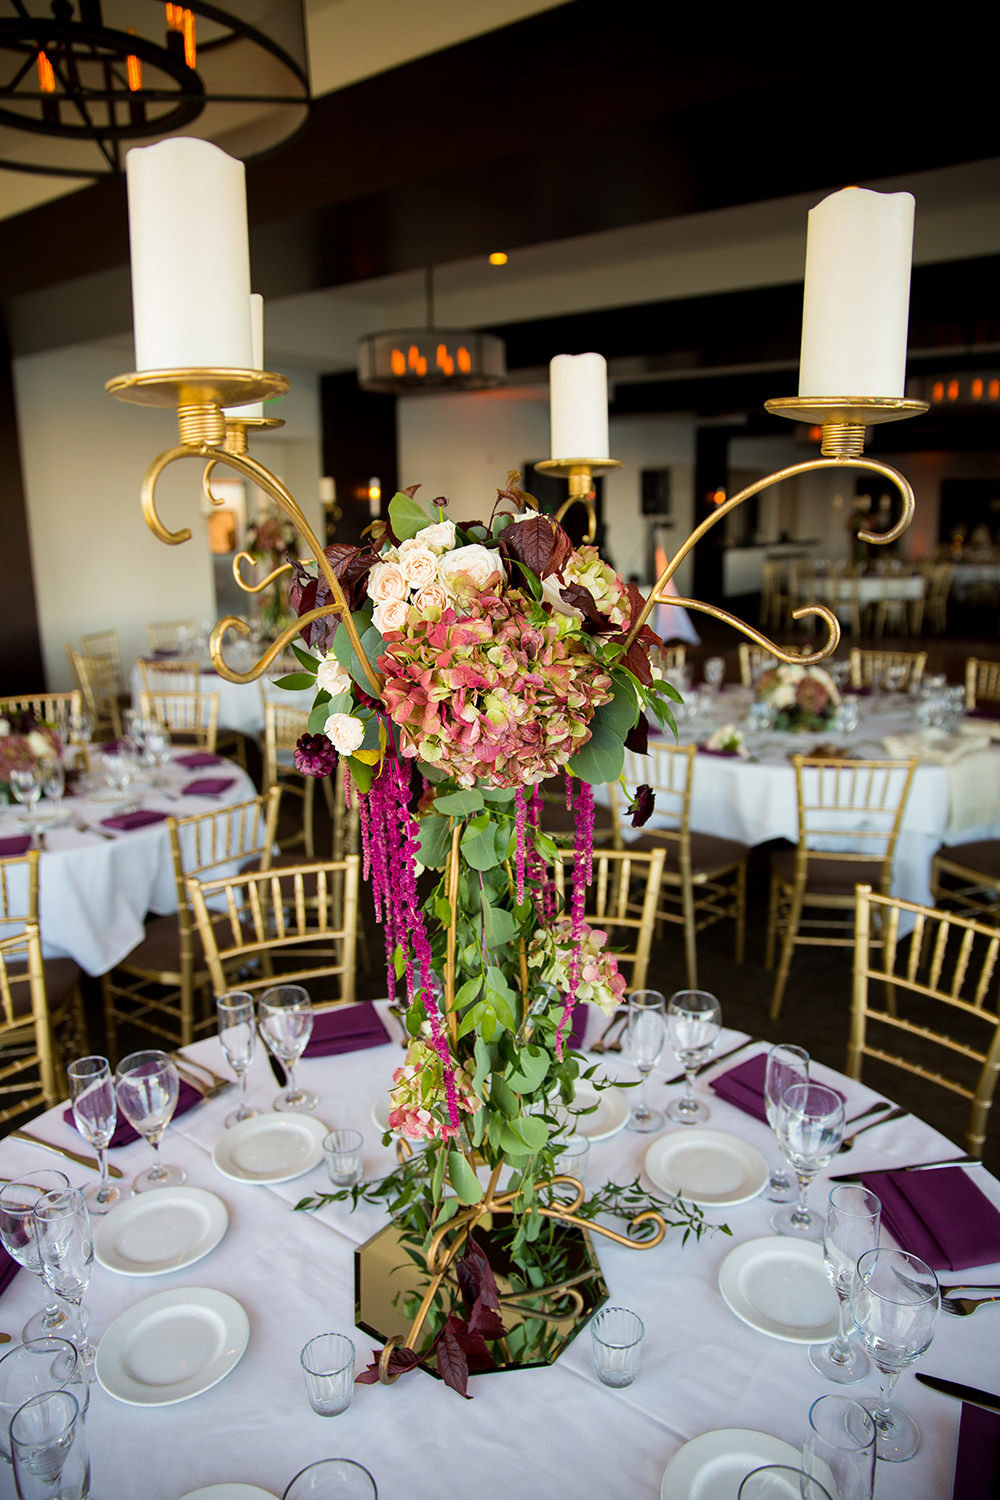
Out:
{"x": 392, "y": 614}
{"x": 386, "y": 581}
{"x": 432, "y": 597}
{"x": 39, "y": 745}
{"x": 344, "y": 732}
{"x": 418, "y": 566}
{"x": 470, "y": 570}
{"x": 440, "y": 537}
{"x": 332, "y": 676}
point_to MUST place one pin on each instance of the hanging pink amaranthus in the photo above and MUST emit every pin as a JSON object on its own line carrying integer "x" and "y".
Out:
{"x": 583, "y": 870}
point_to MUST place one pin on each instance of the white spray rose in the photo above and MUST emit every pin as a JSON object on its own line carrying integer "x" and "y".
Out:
{"x": 332, "y": 676}
{"x": 470, "y": 570}
{"x": 440, "y": 537}
{"x": 386, "y": 581}
{"x": 344, "y": 732}
{"x": 418, "y": 566}
{"x": 390, "y": 615}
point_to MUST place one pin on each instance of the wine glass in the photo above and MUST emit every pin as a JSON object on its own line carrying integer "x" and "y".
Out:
{"x": 156, "y": 738}
{"x": 810, "y": 1126}
{"x": 647, "y": 1032}
{"x": 715, "y": 670}
{"x": 238, "y": 1034}
{"x": 54, "y": 782}
{"x": 66, "y": 1249}
{"x": 26, "y": 784}
{"x": 839, "y": 1448}
{"x": 694, "y": 1020}
{"x": 95, "y": 1111}
{"x": 118, "y": 768}
{"x": 852, "y": 1227}
{"x": 17, "y": 1232}
{"x": 285, "y": 1016}
{"x": 49, "y": 1448}
{"x": 785, "y": 1065}
{"x": 894, "y": 1304}
{"x": 147, "y": 1087}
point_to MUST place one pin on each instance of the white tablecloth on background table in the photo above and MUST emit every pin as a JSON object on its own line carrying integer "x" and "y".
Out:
{"x": 537, "y": 1434}
{"x": 241, "y": 704}
{"x": 870, "y": 589}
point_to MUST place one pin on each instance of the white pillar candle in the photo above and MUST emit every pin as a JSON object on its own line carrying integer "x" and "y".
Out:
{"x": 255, "y": 408}
{"x": 190, "y": 256}
{"x": 857, "y": 292}
{"x": 578, "y": 406}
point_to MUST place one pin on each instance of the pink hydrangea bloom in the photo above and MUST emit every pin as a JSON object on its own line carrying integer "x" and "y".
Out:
{"x": 417, "y": 1100}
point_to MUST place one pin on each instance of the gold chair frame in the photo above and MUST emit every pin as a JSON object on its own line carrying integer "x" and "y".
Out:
{"x": 47, "y": 708}
{"x": 612, "y": 901}
{"x": 96, "y": 679}
{"x": 165, "y": 635}
{"x": 170, "y": 676}
{"x": 968, "y": 876}
{"x": 193, "y": 715}
{"x": 283, "y": 724}
{"x": 982, "y": 681}
{"x": 105, "y": 643}
{"x": 753, "y": 659}
{"x": 863, "y": 664}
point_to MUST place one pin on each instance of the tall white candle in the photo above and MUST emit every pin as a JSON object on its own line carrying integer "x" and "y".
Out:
{"x": 857, "y": 293}
{"x": 190, "y": 256}
{"x": 578, "y": 406}
{"x": 255, "y": 408}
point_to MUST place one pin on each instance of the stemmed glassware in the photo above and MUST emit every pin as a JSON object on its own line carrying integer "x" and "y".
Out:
{"x": 694, "y": 1020}
{"x": 17, "y": 1232}
{"x": 157, "y": 745}
{"x": 852, "y": 1227}
{"x": 647, "y": 1032}
{"x": 95, "y": 1111}
{"x": 285, "y": 1016}
{"x": 26, "y": 784}
{"x": 49, "y": 1448}
{"x": 238, "y": 1035}
{"x": 147, "y": 1086}
{"x": 66, "y": 1249}
{"x": 119, "y": 769}
{"x": 715, "y": 671}
{"x": 894, "y": 1304}
{"x": 785, "y": 1065}
{"x": 54, "y": 782}
{"x": 810, "y": 1127}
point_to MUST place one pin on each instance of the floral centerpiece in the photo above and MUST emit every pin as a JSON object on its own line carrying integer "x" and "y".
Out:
{"x": 727, "y": 741}
{"x": 803, "y": 698}
{"x": 273, "y": 540}
{"x": 507, "y": 658}
{"x": 24, "y": 741}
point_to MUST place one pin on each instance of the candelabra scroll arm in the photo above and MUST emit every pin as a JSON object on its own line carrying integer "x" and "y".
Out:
{"x": 795, "y": 658}
{"x": 588, "y": 506}
{"x": 255, "y": 588}
{"x": 234, "y": 623}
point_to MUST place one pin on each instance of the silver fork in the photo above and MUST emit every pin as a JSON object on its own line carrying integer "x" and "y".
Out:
{"x": 962, "y": 1307}
{"x": 894, "y": 1114}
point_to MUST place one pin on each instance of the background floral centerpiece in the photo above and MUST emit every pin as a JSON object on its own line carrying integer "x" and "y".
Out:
{"x": 23, "y": 743}
{"x": 803, "y": 698}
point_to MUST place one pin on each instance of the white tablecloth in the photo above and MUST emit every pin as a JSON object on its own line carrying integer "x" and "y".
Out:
{"x": 530, "y": 1435}
{"x": 241, "y": 704}
{"x": 871, "y": 589}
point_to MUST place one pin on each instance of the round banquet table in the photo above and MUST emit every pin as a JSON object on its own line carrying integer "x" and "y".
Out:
{"x": 529, "y": 1435}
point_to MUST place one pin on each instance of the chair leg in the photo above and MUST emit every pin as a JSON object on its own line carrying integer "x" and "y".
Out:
{"x": 308, "y": 796}
{"x": 772, "y": 924}
{"x": 787, "y": 948}
{"x": 741, "y": 912}
{"x": 110, "y": 1026}
{"x": 690, "y": 936}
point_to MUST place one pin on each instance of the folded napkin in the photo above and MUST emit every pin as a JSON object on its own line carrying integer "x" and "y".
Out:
{"x": 141, "y": 818}
{"x": 11, "y": 848}
{"x": 942, "y": 1216}
{"x": 9, "y": 1268}
{"x": 346, "y": 1030}
{"x": 208, "y": 786}
{"x": 125, "y": 1134}
{"x": 934, "y": 745}
{"x": 744, "y": 1086}
{"x": 977, "y": 1467}
{"x": 979, "y": 721}
{"x": 197, "y": 759}
{"x": 725, "y": 754}
{"x": 578, "y": 1026}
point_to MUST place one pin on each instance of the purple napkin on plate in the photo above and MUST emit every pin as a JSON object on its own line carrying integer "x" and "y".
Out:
{"x": 11, "y": 848}
{"x": 346, "y": 1030}
{"x": 141, "y": 818}
{"x": 187, "y": 1098}
{"x": 942, "y": 1216}
{"x": 9, "y": 1268}
{"x": 197, "y": 759}
{"x": 208, "y": 786}
{"x": 977, "y": 1467}
{"x": 743, "y": 1086}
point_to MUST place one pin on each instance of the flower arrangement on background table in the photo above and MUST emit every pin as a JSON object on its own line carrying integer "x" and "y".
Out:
{"x": 24, "y": 742}
{"x": 273, "y": 540}
{"x": 804, "y": 699}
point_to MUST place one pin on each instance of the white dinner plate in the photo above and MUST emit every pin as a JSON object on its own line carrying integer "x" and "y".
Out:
{"x": 712, "y": 1466}
{"x": 108, "y": 794}
{"x": 171, "y": 1347}
{"x": 610, "y": 1116}
{"x": 779, "y": 1286}
{"x": 161, "y": 1231}
{"x": 270, "y": 1148}
{"x": 45, "y": 817}
{"x": 230, "y": 1492}
{"x": 708, "y": 1167}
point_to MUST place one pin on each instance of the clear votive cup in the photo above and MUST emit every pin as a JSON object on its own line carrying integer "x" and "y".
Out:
{"x": 572, "y": 1156}
{"x": 616, "y": 1337}
{"x": 328, "y": 1370}
{"x": 343, "y": 1152}
{"x": 333, "y": 1479}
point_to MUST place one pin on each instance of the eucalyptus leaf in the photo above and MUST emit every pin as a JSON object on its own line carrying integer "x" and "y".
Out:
{"x": 503, "y": 1096}
{"x": 407, "y": 516}
{"x": 463, "y": 1179}
{"x": 435, "y": 842}
{"x": 499, "y": 926}
{"x": 318, "y": 717}
{"x": 361, "y": 775}
{"x": 532, "y": 1130}
{"x": 621, "y": 713}
{"x": 459, "y": 803}
{"x": 479, "y": 843}
{"x": 602, "y": 757}
{"x": 530, "y": 1070}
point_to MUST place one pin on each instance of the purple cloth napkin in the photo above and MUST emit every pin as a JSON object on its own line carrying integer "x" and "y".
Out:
{"x": 347, "y": 1030}
{"x": 110, "y": 747}
{"x": 942, "y": 1216}
{"x": 743, "y": 1086}
{"x": 11, "y": 848}
{"x": 141, "y": 818}
{"x": 578, "y": 1028}
{"x": 197, "y": 759}
{"x": 988, "y": 711}
{"x": 977, "y": 1467}
{"x": 208, "y": 786}
{"x": 8, "y": 1269}
{"x": 125, "y": 1134}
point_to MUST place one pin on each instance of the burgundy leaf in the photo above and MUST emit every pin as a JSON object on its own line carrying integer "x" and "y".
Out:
{"x": 637, "y": 738}
{"x": 636, "y": 659}
{"x": 539, "y": 542}
{"x": 578, "y": 597}
{"x": 400, "y": 1360}
{"x": 486, "y": 1320}
{"x": 453, "y": 1367}
{"x": 351, "y": 566}
{"x": 478, "y": 1356}
{"x": 636, "y": 605}
{"x": 481, "y": 1283}
{"x": 642, "y": 805}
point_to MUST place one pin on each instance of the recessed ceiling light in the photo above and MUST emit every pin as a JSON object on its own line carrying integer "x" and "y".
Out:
{"x": 498, "y": 258}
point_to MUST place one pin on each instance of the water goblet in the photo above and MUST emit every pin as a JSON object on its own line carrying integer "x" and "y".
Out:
{"x": 26, "y": 784}
{"x": 95, "y": 1111}
{"x": 647, "y": 1032}
{"x": 894, "y": 1304}
{"x": 66, "y": 1249}
{"x": 17, "y": 1232}
{"x": 53, "y": 782}
{"x": 785, "y": 1065}
{"x": 147, "y": 1086}
{"x": 848, "y": 714}
{"x": 156, "y": 738}
{"x": 852, "y": 1227}
{"x": 694, "y": 1020}
{"x": 839, "y": 1449}
{"x": 38, "y": 1365}
{"x": 118, "y": 768}
{"x": 49, "y": 1448}
{"x": 285, "y": 1016}
{"x": 810, "y": 1127}
{"x": 238, "y": 1035}
{"x": 715, "y": 670}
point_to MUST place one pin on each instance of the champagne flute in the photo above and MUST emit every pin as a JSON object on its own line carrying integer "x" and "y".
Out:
{"x": 852, "y": 1227}
{"x": 839, "y": 1448}
{"x": 810, "y": 1128}
{"x": 17, "y": 1232}
{"x": 894, "y": 1304}
{"x": 785, "y": 1065}
{"x": 147, "y": 1086}
{"x": 54, "y": 782}
{"x": 285, "y": 1016}
{"x": 694, "y": 1020}
{"x": 26, "y": 784}
{"x": 95, "y": 1111}
{"x": 66, "y": 1248}
{"x": 647, "y": 1032}
{"x": 238, "y": 1034}
{"x": 49, "y": 1448}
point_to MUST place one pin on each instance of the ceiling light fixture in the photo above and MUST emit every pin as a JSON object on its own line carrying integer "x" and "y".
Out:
{"x": 404, "y": 360}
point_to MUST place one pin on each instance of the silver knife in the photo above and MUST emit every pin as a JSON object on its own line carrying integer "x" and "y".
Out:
{"x": 961, "y": 1392}
{"x": 81, "y": 1161}
{"x": 679, "y": 1077}
{"x": 918, "y": 1166}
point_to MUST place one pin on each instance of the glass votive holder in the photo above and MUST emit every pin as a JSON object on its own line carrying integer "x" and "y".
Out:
{"x": 616, "y": 1337}
{"x": 779, "y": 1481}
{"x": 342, "y": 1150}
{"x": 572, "y": 1156}
{"x": 328, "y": 1370}
{"x": 332, "y": 1479}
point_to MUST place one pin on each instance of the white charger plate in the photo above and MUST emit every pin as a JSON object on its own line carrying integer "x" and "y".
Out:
{"x": 708, "y": 1167}
{"x": 162, "y": 1231}
{"x": 712, "y": 1466}
{"x": 172, "y": 1346}
{"x": 230, "y": 1492}
{"x": 270, "y": 1148}
{"x": 779, "y": 1287}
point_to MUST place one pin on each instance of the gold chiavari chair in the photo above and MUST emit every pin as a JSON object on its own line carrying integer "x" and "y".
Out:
{"x": 942, "y": 975}
{"x": 892, "y": 608}
{"x": 982, "y": 683}
{"x": 283, "y": 725}
{"x": 774, "y": 598}
{"x": 849, "y": 812}
{"x": 105, "y": 643}
{"x": 159, "y": 984}
{"x": 869, "y": 666}
{"x": 753, "y": 661}
{"x": 295, "y": 925}
{"x": 96, "y": 679}
{"x": 170, "y": 676}
{"x": 192, "y": 718}
{"x": 621, "y": 900}
{"x": 46, "y": 708}
{"x": 967, "y": 877}
{"x": 669, "y": 658}
{"x": 937, "y": 592}
{"x": 167, "y": 635}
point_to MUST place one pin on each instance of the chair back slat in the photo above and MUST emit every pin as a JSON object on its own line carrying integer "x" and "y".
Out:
{"x": 622, "y": 900}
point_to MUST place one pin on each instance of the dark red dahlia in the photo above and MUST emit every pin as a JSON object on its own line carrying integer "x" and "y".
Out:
{"x": 314, "y": 755}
